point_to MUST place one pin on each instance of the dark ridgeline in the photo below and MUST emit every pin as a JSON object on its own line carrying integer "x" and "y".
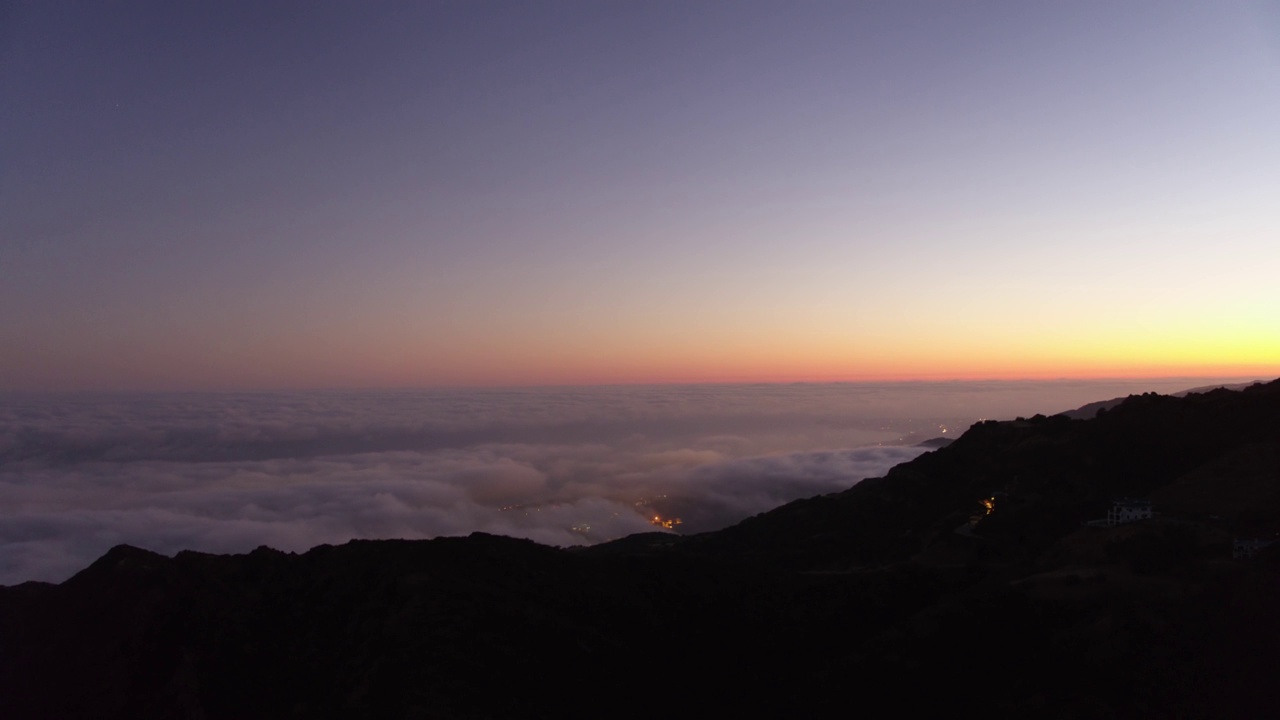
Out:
{"x": 906, "y": 590}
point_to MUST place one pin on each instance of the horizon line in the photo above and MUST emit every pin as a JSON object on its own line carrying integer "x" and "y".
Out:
{"x": 480, "y": 387}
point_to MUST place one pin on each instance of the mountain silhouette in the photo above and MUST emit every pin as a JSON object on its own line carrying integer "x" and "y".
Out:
{"x": 979, "y": 575}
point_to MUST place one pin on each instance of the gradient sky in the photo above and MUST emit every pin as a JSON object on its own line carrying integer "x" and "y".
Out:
{"x": 217, "y": 195}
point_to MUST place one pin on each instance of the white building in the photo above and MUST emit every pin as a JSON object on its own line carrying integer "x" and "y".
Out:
{"x": 1126, "y": 510}
{"x": 1248, "y": 547}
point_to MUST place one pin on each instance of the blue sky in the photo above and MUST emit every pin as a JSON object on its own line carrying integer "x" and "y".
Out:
{"x": 276, "y": 194}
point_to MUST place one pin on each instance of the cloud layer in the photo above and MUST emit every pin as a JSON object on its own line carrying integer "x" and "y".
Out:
{"x": 226, "y": 473}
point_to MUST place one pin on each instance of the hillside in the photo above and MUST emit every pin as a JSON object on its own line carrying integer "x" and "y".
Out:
{"x": 905, "y": 588}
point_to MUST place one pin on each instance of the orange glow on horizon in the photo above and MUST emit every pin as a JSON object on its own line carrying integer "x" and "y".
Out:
{"x": 907, "y": 372}
{"x": 936, "y": 352}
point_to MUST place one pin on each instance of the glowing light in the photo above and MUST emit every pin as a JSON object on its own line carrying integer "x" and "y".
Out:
{"x": 668, "y": 523}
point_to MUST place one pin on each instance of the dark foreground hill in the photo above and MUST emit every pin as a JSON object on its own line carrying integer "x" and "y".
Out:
{"x": 963, "y": 580}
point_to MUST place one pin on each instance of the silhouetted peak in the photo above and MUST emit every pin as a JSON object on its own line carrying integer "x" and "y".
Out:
{"x": 123, "y": 560}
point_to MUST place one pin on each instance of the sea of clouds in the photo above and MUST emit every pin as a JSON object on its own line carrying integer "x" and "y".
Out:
{"x": 229, "y": 472}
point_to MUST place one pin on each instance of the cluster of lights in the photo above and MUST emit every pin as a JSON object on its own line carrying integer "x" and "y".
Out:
{"x": 668, "y": 523}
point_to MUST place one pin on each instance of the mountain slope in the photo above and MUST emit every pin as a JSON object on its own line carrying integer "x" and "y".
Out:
{"x": 899, "y": 584}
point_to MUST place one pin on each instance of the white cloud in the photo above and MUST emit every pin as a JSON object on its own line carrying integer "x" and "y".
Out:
{"x": 226, "y": 473}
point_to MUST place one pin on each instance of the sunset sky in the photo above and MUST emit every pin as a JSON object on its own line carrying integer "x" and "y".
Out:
{"x": 250, "y": 195}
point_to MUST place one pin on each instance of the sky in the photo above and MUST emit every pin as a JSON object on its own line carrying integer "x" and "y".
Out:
{"x": 266, "y": 195}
